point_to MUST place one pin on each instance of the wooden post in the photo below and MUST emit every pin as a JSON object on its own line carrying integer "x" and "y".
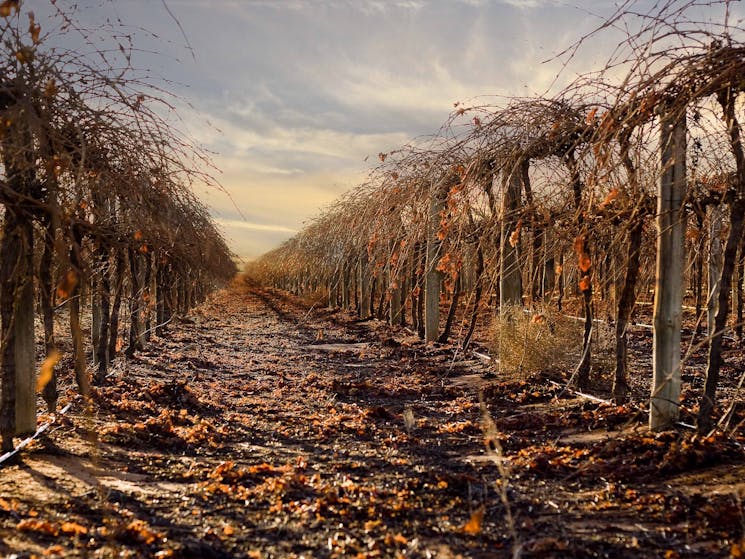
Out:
{"x": 433, "y": 278}
{"x": 510, "y": 278}
{"x": 668, "y": 299}
{"x": 25, "y": 342}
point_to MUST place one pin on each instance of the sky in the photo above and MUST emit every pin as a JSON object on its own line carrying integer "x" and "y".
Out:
{"x": 295, "y": 98}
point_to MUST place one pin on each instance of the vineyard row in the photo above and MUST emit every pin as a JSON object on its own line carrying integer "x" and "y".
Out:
{"x": 633, "y": 172}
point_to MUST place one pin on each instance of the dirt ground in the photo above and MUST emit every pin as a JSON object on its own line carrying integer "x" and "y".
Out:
{"x": 259, "y": 428}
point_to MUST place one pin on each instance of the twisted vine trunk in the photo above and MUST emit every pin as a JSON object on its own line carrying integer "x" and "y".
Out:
{"x": 625, "y": 308}
{"x": 49, "y": 392}
{"x": 120, "y": 266}
{"x": 101, "y": 348}
{"x": 81, "y": 373}
{"x": 627, "y": 298}
{"x": 705, "y": 422}
{"x": 135, "y": 305}
{"x": 510, "y": 277}
{"x": 433, "y": 277}
{"x": 451, "y": 312}
{"x": 476, "y": 297}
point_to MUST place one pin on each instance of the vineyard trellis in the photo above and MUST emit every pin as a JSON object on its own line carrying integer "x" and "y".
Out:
{"x": 551, "y": 200}
{"x": 96, "y": 189}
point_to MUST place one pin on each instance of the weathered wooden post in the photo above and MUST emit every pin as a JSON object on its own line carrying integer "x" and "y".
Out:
{"x": 17, "y": 343}
{"x": 668, "y": 298}
{"x": 433, "y": 277}
{"x": 25, "y": 343}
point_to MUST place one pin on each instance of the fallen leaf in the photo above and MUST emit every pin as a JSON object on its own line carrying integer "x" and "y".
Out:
{"x": 73, "y": 529}
{"x": 38, "y": 526}
{"x": 473, "y": 526}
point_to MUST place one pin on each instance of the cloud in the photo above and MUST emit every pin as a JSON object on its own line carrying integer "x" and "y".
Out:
{"x": 238, "y": 224}
{"x": 299, "y": 92}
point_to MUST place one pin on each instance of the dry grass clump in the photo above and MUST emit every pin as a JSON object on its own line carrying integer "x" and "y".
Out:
{"x": 531, "y": 342}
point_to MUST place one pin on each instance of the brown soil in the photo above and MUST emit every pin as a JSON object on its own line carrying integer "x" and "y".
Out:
{"x": 259, "y": 428}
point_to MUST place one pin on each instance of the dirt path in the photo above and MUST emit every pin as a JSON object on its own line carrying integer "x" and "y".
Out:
{"x": 258, "y": 428}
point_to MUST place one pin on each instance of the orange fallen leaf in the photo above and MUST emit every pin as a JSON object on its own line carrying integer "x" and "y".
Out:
{"x": 473, "y": 526}
{"x": 73, "y": 529}
{"x": 142, "y": 531}
{"x": 38, "y": 526}
{"x": 228, "y": 530}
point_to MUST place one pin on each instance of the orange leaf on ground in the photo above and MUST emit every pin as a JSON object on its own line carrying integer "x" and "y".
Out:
{"x": 38, "y": 526}
{"x": 473, "y": 526}
{"x": 73, "y": 528}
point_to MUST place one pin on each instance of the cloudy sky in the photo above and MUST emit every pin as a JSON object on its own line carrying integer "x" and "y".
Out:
{"x": 293, "y": 95}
